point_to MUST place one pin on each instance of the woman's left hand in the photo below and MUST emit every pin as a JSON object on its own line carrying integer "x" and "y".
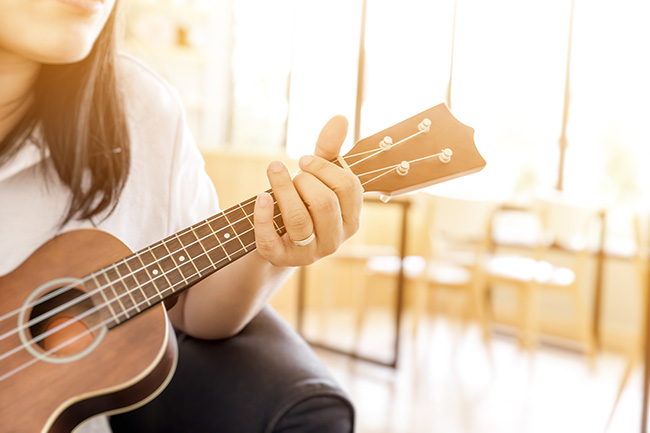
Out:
{"x": 320, "y": 206}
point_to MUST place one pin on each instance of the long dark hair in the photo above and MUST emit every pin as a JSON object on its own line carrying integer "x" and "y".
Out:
{"x": 80, "y": 116}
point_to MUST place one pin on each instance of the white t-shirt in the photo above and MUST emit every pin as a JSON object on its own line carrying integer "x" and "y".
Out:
{"x": 166, "y": 191}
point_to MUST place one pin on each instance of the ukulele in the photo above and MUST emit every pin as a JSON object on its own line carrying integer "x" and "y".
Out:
{"x": 83, "y": 327}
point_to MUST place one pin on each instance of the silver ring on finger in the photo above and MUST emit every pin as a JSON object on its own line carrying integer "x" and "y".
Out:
{"x": 304, "y": 242}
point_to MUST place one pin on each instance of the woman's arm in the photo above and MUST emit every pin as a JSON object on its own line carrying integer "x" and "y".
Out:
{"x": 322, "y": 199}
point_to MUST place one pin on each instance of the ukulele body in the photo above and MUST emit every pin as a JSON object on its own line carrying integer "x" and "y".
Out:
{"x": 119, "y": 369}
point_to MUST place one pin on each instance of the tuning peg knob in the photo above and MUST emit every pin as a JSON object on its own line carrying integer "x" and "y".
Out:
{"x": 403, "y": 168}
{"x": 386, "y": 143}
{"x": 384, "y": 198}
{"x": 445, "y": 155}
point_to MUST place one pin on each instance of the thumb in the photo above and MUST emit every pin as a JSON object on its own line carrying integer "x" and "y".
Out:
{"x": 331, "y": 138}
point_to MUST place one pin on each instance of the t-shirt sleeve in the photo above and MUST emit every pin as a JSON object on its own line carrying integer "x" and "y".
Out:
{"x": 192, "y": 196}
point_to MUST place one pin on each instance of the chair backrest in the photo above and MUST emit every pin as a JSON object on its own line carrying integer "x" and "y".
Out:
{"x": 455, "y": 224}
{"x": 570, "y": 225}
{"x": 516, "y": 225}
{"x": 548, "y": 221}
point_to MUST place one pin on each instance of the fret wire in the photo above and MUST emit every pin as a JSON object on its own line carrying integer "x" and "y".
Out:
{"x": 90, "y": 330}
{"x": 194, "y": 248}
{"x": 128, "y": 280}
{"x": 175, "y": 264}
{"x": 186, "y": 253}
{"x": 117, "y": 321}
{"x": 162, "y": 243}
{"x": 198, "y": 272}
{"x": 166, "y": 263}
{"x": 104, "y": 273}
{"x": 235, "y": 232}
{"x": 203, "y": 247}
{"x": 277, "y": 227}
{"x": 247, "y": 216}
{"x": 123, "y": 280}
{"x": 162, "y": 271}
{"x": 218, "y": 240}
{"x": 171, "y": 287}
{"x": 244, "y": 247}
{"x": 110, "y": 284}
{"x": 138, "y": 284}
{"x": 148, "y": 275}
{"x": 118, "y": 297}
{"x": 244, "y": 224}
{"x": 136, "y": 306}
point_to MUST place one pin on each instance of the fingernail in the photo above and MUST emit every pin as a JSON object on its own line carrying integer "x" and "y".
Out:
{"x": 306, "y": 160}
{"x": 263, "y": 200}
{"x": 276, "y": 166}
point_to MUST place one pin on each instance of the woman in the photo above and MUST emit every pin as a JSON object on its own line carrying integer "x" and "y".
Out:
{"x": 90, "y": 138}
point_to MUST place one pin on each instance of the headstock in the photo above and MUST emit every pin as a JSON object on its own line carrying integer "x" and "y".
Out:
{"x": 428, "y": 148}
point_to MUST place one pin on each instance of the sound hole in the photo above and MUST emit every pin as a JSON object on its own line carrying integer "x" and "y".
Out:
{"x": 65, "y": 324}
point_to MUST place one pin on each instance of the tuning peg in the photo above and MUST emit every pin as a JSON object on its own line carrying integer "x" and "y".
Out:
{"x": 403, "y": 168}
{"x": 445, "y": 155}
{"x": 386, "y": 143}
{"x": 424, "y": 125}
{"x": 384, "y": 198}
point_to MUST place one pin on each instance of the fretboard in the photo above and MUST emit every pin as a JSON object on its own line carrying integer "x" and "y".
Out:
{"x": 172, "y": 265}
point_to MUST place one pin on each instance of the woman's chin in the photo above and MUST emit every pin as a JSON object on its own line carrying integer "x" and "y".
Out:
{"x": 61, "y": 54}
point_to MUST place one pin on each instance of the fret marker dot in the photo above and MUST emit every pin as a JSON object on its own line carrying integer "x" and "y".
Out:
{"x": 227, "y": 235}
{"x": 155, "y": 272}
{"x": 181, "y": 258}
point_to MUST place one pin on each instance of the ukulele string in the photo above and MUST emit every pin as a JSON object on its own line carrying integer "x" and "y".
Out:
{"x": 387, "y": 170}
{"x": 57, "y": 292}
{"x": 88, "y": 331}
{"x": 81, "y": 281}
{"x": 99, "y": 325}
{"x": 121, "y": 279}
{"x": 377, "y": 152}
{"x": 129, "y": 292}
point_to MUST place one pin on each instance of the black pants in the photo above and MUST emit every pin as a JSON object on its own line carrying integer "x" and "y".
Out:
{"x": 265, "y": 379}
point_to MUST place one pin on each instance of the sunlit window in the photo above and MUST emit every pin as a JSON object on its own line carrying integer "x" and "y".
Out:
{"x": 267, "y": 76}
{"x": 609, "y": 148}
{"x": 261, "y": 63}
{"x": 408, "y": 53}
{"x": 324, "y": 72}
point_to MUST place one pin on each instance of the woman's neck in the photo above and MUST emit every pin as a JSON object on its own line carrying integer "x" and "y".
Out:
{"x": 17, "y": 78}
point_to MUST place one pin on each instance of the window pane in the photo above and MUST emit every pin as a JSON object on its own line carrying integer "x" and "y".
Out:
{"x": 408, "y": 50}
{"x": 324, "y": 73}
{"x": 509, "y": 75}
{"x": 261, "y": 62}
{"x": 609, "y": 148}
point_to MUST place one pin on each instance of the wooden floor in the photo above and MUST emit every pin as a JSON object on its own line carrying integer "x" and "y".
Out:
{"x": 446, "y": 383}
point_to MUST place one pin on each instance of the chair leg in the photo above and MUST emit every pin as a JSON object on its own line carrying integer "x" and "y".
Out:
{"x": 419, "y": 303}
{"x": 480, "y": 304}
{"x": 480, "y": 299}
{"x": 583, "y": 324}
{"x": 528, "y": 317}
{"x": 632, "y": 360}
{"x": 326, "y": 297}
{"x": 361, "y": 310}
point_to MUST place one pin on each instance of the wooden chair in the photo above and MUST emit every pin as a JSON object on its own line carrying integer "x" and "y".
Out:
{"x": 446, "y": 253}
{"x": 551, "y": 244}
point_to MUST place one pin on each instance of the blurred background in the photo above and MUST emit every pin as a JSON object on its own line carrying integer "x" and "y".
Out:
{"x": 511, "y": 300}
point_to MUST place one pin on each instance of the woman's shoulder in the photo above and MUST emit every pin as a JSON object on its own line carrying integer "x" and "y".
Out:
{"x": 145, "y": 92}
